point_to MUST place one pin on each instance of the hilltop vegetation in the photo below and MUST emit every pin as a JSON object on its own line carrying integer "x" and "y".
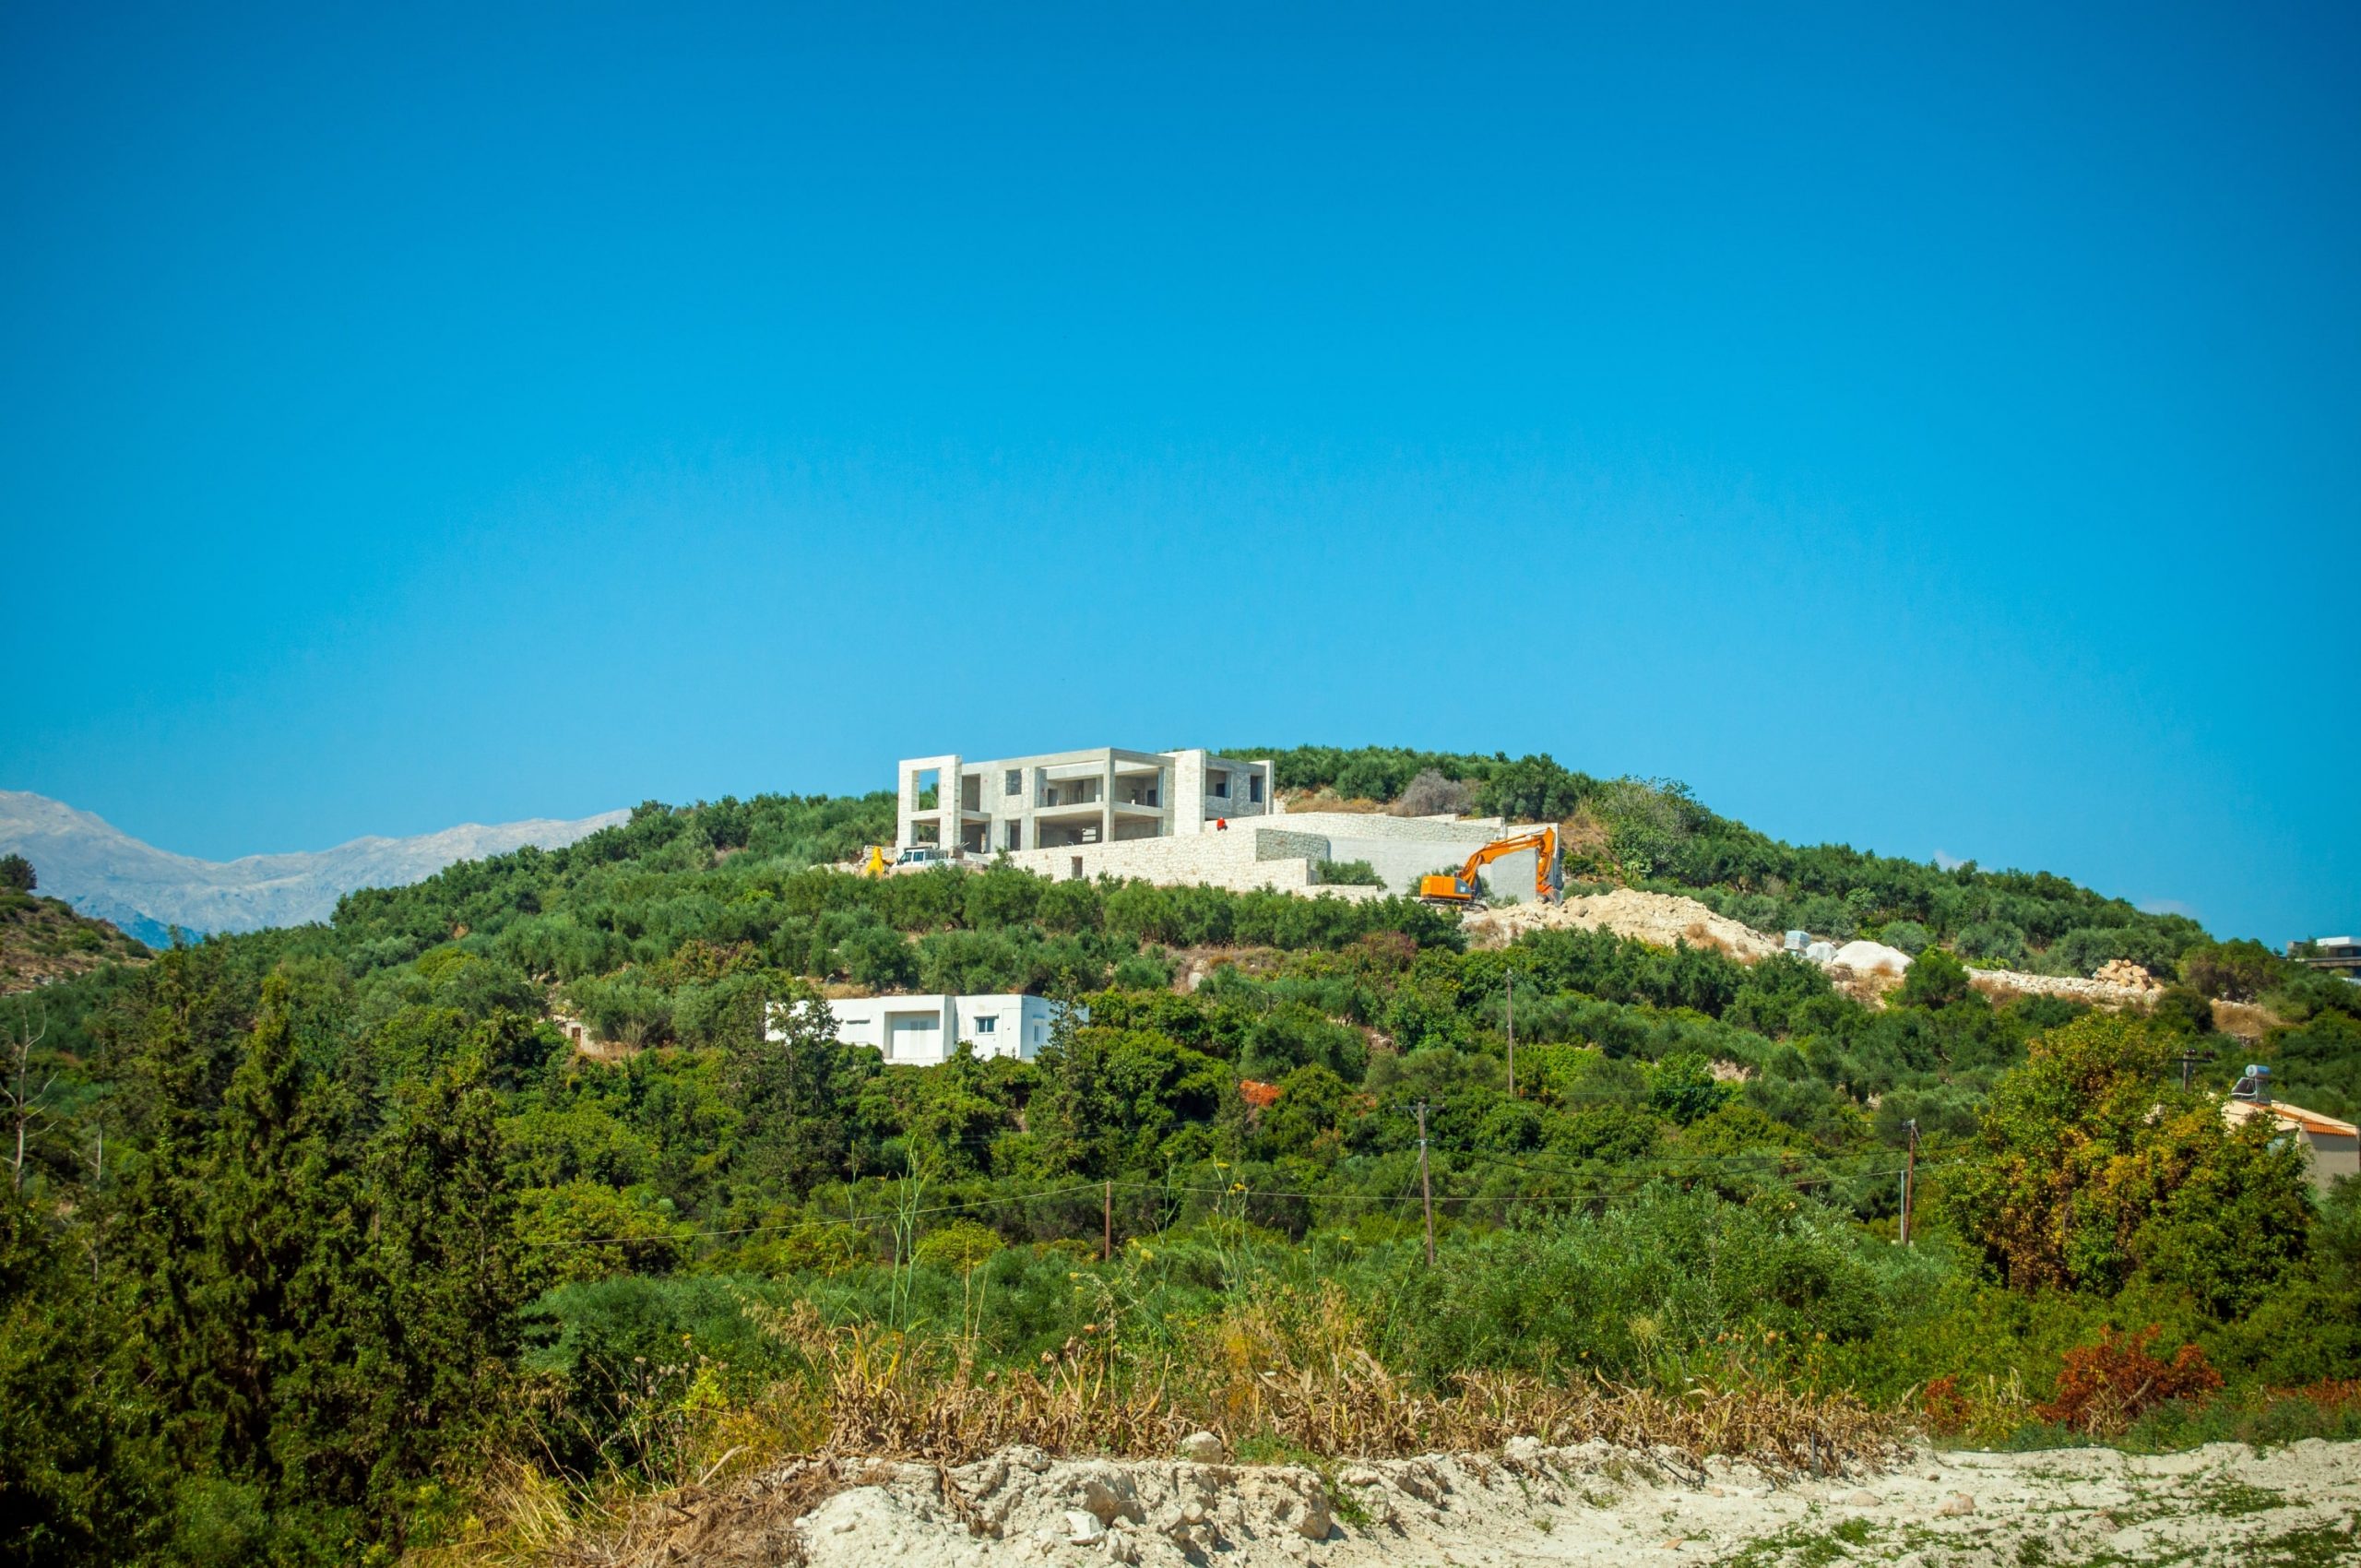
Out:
{"x": 44, "y": 940}
{"x": 329, "y": 1245}
{"x": 1656, "y": 835}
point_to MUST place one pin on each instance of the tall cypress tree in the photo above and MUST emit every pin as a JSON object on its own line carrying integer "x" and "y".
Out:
{"x": 240, "y": 1273}
{"x": 441, "y": 1331}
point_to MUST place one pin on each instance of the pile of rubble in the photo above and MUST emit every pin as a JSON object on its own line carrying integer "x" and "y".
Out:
{"x": 2110, "y": 988}
{"x": 1864, "y": 970}
{"x": 1657, "y": 918}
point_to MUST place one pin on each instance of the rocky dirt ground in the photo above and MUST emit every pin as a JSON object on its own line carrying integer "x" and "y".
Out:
{"x": 43, "y": 941}
{"x": 2298, "y": 1506}
{"x": 1659, "y": 918}
{"x": 1663, "y": 918}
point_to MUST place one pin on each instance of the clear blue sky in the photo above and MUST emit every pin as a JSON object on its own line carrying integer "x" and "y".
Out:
{"x": 1934, "y": 433}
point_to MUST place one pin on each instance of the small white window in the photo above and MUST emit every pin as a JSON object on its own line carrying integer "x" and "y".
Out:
{"x": 1013, "y": 782}
{"x": 987, "y": 1026}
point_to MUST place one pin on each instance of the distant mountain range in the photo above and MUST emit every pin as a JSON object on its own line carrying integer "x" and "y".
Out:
{"x": 105, "y": 873}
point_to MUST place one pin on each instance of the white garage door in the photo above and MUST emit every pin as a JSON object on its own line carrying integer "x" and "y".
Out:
{"x": 913, "y": 1037}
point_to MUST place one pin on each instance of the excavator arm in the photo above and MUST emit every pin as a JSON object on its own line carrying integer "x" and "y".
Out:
{"x": 1461, "y": 888}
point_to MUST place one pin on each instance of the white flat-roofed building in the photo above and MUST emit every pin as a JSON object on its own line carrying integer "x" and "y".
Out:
{"x": 2337, "y": 955}
{"x": 925, "y": 1031}
{"x": 1177, "y": 818}
{"x": 1066, "y": 799}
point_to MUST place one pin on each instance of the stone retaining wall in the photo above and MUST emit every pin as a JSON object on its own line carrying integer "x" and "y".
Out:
{"x": 1284, "y": 855}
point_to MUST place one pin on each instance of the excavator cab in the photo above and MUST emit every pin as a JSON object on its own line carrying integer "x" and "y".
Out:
{"x": 1464, "y": 888}
{"x": 1449, "y": 887}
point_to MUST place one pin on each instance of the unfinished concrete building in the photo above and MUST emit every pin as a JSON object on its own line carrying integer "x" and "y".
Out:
{"x": 1065, "y": 800}
{"x": 1176, "y": 818}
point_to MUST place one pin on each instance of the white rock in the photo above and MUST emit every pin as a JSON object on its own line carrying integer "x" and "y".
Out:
{"x": 1957, "y": 1505}
{"x": 1863, "y": 1500}
{"x": 1083, "y": 1528}
{"x": 1121, "y": 1547}
{"x": 1110, "y": 1493}
{"x": 1203, "y": 1447}
{"x": 1524, "y": 1451}
{"x": 1872, "y": 958}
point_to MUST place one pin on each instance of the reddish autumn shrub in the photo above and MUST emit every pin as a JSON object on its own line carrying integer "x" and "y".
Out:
{"x": 2103, "y": 1388}
{"x": 2333, "y": 1394}
{"x": 1946, "y": 1407}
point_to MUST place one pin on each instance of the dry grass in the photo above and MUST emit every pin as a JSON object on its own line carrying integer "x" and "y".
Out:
{"x": 1325, "y": 800}
{"x": 1285, "y": 1367}
{"x": 2244, "y": 1019}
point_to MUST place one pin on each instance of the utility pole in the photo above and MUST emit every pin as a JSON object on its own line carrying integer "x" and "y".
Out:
{"x": 2190, "y": 1057}
{"x": 1909, "y": 1179}
{"x": 1512, "y": 1034}
{"x": 1106, "y": 1215}
{"x": 1426, "y": 1190}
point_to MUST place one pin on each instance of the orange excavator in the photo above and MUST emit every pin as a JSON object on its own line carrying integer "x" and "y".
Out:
{"x": 1463, "y": 889}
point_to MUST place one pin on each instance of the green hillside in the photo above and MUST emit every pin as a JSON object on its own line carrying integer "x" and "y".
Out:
{"x": 1656, "y": 835}
{"x": 328, "y": 1235}
{"x": 43, "y": 941}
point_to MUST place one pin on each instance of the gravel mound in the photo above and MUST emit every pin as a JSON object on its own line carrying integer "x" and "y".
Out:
{"x": 1658, "y": 918}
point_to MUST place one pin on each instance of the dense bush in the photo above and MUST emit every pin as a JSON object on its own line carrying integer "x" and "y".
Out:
{"x": 2097, "y": 1171}
{"x": 364, "y": 1214}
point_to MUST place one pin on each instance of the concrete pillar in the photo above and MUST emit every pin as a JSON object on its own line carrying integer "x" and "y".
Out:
{"x": 907, "y": 815}
{"x": 1107, "y": 800}
{"x": 1188, "y": 790}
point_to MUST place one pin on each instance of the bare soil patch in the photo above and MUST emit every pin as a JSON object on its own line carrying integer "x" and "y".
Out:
{"x": 1659, "y": 918}
{"x": 1586, "y": 1503}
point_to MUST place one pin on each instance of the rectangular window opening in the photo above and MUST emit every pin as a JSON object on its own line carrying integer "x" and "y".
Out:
{"x": 1254, "y": 787}
{"x": 1012, "y": 781}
